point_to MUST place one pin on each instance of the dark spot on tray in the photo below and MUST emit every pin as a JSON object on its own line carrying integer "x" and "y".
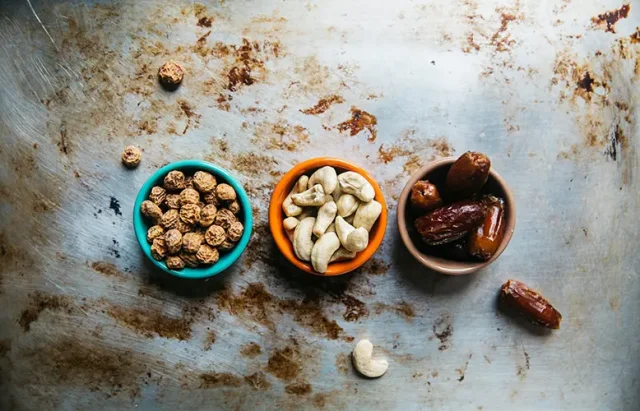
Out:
{"x": 376, "y": 266}
{"x": 402, "y": 308}
{"x": 354, "y": 309}
{"x": 443, "y": 330}
{"x": 298, "y": 388}
{"x": 257, "y": 381}
{"x": 114, "y": 204}
{"x": 284, "y": 363}
{"x": 39, "y": 302}
{"x": 608, "y": 20}
{"x": 617, "y": 142}
{"x": 216, "y": 379}
{"x": 586, "y": 82}
{"x": 209, "y": 340}
{"x": 251, "y": 350}
{"x": 635, "y": 37}
{"x": 63, "y": 144}
{"x": 205, "y": 21}
{"x": 113, "y": 249}
{"x": 150, "y": 323}
{"x": 461, "y": 371}
{"x": 359, "y": 121}
{"x": 107, "y": 269}
{"x": 323, "y": 105}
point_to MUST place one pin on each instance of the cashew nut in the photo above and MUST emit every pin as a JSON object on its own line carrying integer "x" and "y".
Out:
{"x": 347, "y": 205}
{"x": 337, "y": 193}
{"x": 327, "y": 177}
{"x": 323, "y": 250}
{"x": 367, "y": 214}
{"x": 331, "y": 228}
{"x": 342, "y": 254}
{"x": 366, "y": 365}
{"x": 302, "y": 241}
{"x": 307, "y": 212}
{"x": 326, "y": 215}
{"x": 353, "y": 183}
{"x": 314, "y": 196}
{"x": 290, "y": 209}
{"x": 290, "y": 223}
{"x": 353, "y": 239}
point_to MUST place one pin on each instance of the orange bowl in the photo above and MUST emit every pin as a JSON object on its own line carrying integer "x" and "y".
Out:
{"x": 276, "y": 216}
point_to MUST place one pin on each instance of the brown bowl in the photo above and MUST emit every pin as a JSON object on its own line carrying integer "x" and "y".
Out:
{"x": 436, "y": 173}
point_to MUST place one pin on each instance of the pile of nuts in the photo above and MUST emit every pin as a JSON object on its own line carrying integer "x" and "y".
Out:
{"x": 471, "y": 225}
{"x": 194, "y": 219}
{"x": 329, "y": 216}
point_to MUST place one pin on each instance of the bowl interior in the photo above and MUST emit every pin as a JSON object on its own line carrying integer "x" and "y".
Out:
{"x": 276, "y": 216}
{"x": 141, "y": 224}
{"x": 429, "y": 255}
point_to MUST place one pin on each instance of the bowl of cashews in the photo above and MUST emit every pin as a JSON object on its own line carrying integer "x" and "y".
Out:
{"x": 327, "y": 216}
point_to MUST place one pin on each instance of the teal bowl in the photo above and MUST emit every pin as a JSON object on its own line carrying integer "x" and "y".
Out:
{"x": 141, "y": 226}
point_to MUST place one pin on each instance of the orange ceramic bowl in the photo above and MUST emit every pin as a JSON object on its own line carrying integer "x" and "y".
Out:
{"x": 276, "y": 216}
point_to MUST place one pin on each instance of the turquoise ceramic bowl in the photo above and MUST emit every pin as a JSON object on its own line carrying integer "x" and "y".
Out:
{"x": 141, "y": 225}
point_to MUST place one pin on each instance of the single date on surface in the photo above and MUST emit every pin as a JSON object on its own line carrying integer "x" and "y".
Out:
{"x": 468, "y": 174}
{"x": 450, "y": 223}
{"x": 530, "y": 304}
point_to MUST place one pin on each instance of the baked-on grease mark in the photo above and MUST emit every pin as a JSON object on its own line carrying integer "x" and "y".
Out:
{"x": 359, "y": 121}
{"x": 402, "y": 308}
{"x": 151, "y": 323}
{"x": 216, "y": 379}
{"x": 607, "y": 21}
{"x": 463, "y": 369}
{"x": 443, "y": 330}
{"x": 284, "y": 363}
{"x": 298, "y": 388}
{"x": 323, "y": 105}
{"x": 39, "y": 302}
{"x": 107, "y": 269}
{"x": 354, "y": 309}
{"x": 258, "y": 381}
{"x": 618, "y": 141}
{"x": 205, "y": 21}
{"x": 251, "y": 350}
{"x": 209, "y": 340}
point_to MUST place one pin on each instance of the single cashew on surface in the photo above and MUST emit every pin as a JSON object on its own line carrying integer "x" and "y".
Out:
{"x": 367, "y": 214}
{"x": 347, "y": 205}
{"x": 302, "y": 238}
{"x": 325, "y": 176}
{"x": 353, "y": 239}
{"x": 353, "y": 183}
{"x": 326, "y": 215}
{"x": 322, "y": 251}
{"x": 365, "y": 364}
{"x": 288, "y": 207}
{"x": 313, "y": 197}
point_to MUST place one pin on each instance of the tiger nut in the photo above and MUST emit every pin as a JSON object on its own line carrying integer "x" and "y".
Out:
{"x": 191, "y": 242}
{"x": 226, "y": 245}
{"x": 170, "y": 75}
{"x": 210, "y": 198}
{"x": 225, "y": 192}
{"x": 207, "y": 254}
{"x": 190, "y": 213}
{"x": 158, "y": 195}
{"x": 159, "y": 248}
{"x": 173, "y": 201}
{"x": 188, "y": 182}
{"x": 131, "y": 156}
{"x": 174, "y": 262}
{"x": 190, "y": 260}
{"x": 174, "y": 180}
{"x": 173, "y": 241}
{"x": 189, "y": 196}
{"x": 151, "y": 210}
{"x": 224, "y": 218}
{"x": 204, "y": 182}
{"x": 169, "y": 219}
{"x": 183, "y": 227}
{"x": 215, "y": 235}
{"x": 207, "y": 215}
{"x": 154, "y": 232}
{"x": 234, "y": 233}
{"x": 234, "y": 207}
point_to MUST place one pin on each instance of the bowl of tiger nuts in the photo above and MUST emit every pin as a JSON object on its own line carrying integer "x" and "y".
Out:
{"x": 456, "y": 215}
{"x": 192, "y": 219}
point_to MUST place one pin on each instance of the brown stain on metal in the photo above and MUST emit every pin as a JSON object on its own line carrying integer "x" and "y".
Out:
{"x": 187, "y": 109}
{"x": 258, "y": 381}
{"x": 151, "y": 323}
{"x": 251, "y": 350}
{"x": 618, "y": 142}
{"x": 354, "y": 309}
{"x": 253, "y": 164}
{"x": 634, "y": 37}
{"x": 414, "y": 150}
{"x": 39, "y": 302}
{"x": 463, "y": 369}
{"x": 107, "y": 269}
{"x": 343, "y": 363}
{"x": 280, "y": 135}
{"x": 285, "y": 363}
{"x": 323, "y": 105}
{"x": 64, "y": 146}
{"x": 402, "y": 309}
{"x": 607, "y": 21}
{"x": 443, "y": 330}
{"x": 360, "y": 120}
{"x": 219, "y": 379}
{"x": 210, "y": 340}
{"x": 376, "y": 266}
{"x": 501, "y": 40}
{"x": 205, "y": 21}
{"x": 299, "y": 388}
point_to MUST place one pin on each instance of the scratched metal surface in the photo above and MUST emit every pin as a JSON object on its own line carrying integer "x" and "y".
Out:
{"x": 548, "y": 93}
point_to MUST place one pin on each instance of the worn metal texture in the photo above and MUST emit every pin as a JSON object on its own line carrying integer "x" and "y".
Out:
{"x": 548, "y": 89}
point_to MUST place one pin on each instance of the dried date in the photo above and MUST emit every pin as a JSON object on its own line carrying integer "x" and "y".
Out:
{"x": 485, "y": 240}
{"x": 425, "y": 196}
{"x": 530, "y": 304}
{"x": 468, "y": 174}
{"x": 450, "y": 223}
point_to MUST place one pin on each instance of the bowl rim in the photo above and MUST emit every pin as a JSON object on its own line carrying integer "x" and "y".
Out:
{"x": 280, "y": 238}
{"x": 510, "y": 223}
{"x": 227, "y": 259}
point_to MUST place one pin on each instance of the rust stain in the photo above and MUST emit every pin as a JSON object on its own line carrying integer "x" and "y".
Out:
{"x": 299, "y": 388}
{"x": 360, "y": 120}
{"x": 343, "y": 363}
{"x": 635, "y": 37}
{"x": 187, "y": 109}
{"x": 323, "y": 105}
{"x": 443, "y": 330}
{"x": 251, "y": 350}
{"x": 217, "y": 379}
{"x": 39, "y": 302}
{"x": 607, "y": 21}
{"x": 284, "y": 363}
{"x": 257, "y": 381}
{"x": 501, "y": 39}
{"x": 151, "y": 323}
{"x": 205, "y": 21}
{"x": 618, "y": 142}
{"x": 107, "y": 269}
{"x": 376, "y": 266}
{"x": 281, "y": 135}
{"x": 210, "y": 340}
{"x": 253, "y": 164}
{"x": 354, "y": 308}
{"x": 402, "y": 308}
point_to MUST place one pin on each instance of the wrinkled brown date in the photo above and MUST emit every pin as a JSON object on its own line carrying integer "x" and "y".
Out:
{"x": 485, "y": 240}
{"x": 425, "y": 196}
{"x": 529, "y": 304}
{"x": 450, "y": 223}
{"x": 457, "y": 250}
{"x": 468, "y": 174}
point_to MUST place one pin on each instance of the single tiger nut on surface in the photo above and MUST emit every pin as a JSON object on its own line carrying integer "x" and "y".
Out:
{"x": 211, "y": 198}
{"x": 207, "y": 215}
{"x": 215, "y": 235}
{"x": 169, "y": 219}
{"x": 234, "y": 207}
{"x": 190, "y": 213}
{"x": 184, "y": 227}
{"x": 189, "y": 196}
{"x": 234, "y": 233}
{"x": 170, "y": 75}
{"x": 204, "y": 182}
{"x": 173, "y": 201}
{"x": 224, "y": 218}
{"x": 191, "y": 242}
{"x": 174, "y": 262}
{"x": 158, "y": 195}
{"x": 159, "y": 248}
{"x": 154, "y": 232}
{"x": 151, "y": 210}
{"x": 131, "y": 156}
{"x": 174, "y": 181}
{"x": 207, "y": 254}
{"x": 173, "y": 241}
{"x": 225, "y": 192}
{"x": 425, "y": 196}
{"x": 190, "y": 260}
{"x": 226, "y": 245}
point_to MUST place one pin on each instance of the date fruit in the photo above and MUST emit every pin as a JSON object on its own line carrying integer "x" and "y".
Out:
{"x": 457, "y": 250}
{"x": 468, "y": 174}
{"x": 485, "y": 240}
{"x": 450, "y": 223}
{"x": 530, "y": 304}
{"x": 425, "y": 196}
